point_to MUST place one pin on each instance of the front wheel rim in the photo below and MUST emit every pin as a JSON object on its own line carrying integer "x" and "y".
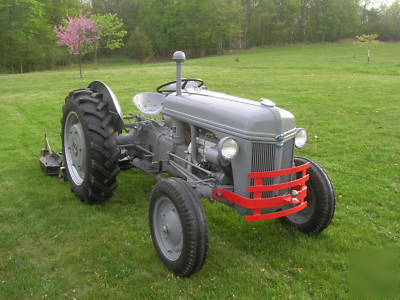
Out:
{"x": 167, "y": 228}
{"x": 75, "y": 148}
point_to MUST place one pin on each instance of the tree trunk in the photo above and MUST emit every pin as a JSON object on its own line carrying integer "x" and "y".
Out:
{"x": 262, "y": 32}
{"x": 246, "y": 28}
{"x": 303, "y": 20}
{"x": 95, "y": 55}
{"x": 21, "y": 68}
{"x": 219, "y": 47}
{"x": 80, "y": 65}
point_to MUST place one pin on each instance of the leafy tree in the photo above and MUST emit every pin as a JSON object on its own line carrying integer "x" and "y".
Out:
{"x": 21, "y": 28}
{"x": 27, "y": 41}
{"x": 388, "y": 22}
{"x": 139, "y": 46}
{"x": 367, "y": 40}
{"x": 247, "y": 4}
{"x": 79, "y": 34}
{"x": 111, "y": 32}
{"x": 331, "y": 20}
{"x": 199, "y": 27}
{"x": 304, "y": 7}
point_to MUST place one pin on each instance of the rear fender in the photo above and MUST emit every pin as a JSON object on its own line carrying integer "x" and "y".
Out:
{"x": 109, "y": 96}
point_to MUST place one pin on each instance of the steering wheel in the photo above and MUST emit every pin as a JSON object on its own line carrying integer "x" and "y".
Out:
{"x": 185, "y": 81}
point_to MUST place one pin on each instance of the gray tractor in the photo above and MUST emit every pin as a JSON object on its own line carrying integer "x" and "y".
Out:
{"x": 202, "y": 144}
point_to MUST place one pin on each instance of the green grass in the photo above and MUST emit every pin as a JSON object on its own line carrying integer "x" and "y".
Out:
{"x": 53, "y": 246}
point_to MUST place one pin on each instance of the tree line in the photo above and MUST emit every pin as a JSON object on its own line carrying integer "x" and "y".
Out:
{"x": 155, "y": 28}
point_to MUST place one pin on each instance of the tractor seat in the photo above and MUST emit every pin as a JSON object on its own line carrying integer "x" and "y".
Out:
{"x": 149, "y": 103}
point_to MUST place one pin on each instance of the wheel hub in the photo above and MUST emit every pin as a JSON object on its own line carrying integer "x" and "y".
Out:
{"x": 168, "y": 228}
{"x": 74, "y": 148}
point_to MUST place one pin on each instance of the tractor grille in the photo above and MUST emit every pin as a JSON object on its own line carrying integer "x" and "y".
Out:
{"x": 264, "y": 158}
{"x": 287, "y": 154}
{"x": 287, "y": 159}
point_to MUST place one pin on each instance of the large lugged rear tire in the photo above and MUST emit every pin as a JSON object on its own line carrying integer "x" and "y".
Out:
{"x": 178, "y": 226}
{"x": 321, "y": 201}
{"x": 89, "y": 136}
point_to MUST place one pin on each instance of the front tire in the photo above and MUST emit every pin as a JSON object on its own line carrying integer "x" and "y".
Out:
{"x": 321, "y": 202}
{"x": 89, "y": 136}
{"x": 178, "y": 226}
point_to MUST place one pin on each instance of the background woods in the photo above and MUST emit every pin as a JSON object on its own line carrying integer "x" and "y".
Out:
{"x": 150, "y": 28}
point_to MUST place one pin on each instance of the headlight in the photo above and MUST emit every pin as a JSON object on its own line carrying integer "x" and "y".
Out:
{"x": 228, "y": 148}
{"x": 301, "y": 138}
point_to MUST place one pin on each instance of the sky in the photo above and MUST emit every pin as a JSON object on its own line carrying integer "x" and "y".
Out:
{"x": 377, "y": 3}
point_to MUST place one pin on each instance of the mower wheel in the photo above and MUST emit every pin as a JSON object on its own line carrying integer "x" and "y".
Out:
{"x": 321, "y": 202}
{"x": 89, "y": 136}
{"x": 178, "y": 226}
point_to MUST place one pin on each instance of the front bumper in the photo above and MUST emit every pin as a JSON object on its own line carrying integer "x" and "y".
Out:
{"x": 259, "y": 203}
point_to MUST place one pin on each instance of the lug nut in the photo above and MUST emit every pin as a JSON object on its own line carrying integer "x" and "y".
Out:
{"x": 165, "y": 228}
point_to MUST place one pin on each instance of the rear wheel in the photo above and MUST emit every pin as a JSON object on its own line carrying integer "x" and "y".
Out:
{"x": 89, "y": 135}
{"x": 178, "y": 226}
{"x": 321, "y": 202}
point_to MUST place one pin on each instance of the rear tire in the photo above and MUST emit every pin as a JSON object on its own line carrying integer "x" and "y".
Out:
{"x": 89, "y": 136}
{"x": 178, "y": 226}
{"x": 321, "y": 202}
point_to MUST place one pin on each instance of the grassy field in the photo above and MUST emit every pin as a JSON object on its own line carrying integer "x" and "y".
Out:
{"x": 53, "y": 246}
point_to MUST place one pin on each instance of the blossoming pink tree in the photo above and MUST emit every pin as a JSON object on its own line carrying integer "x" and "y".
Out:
{"x": 79, "y": 34}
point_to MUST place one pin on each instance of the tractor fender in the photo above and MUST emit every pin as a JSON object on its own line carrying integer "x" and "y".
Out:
{"x": 109, "y": 96}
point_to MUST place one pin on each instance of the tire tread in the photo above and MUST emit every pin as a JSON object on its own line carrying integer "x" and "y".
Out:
{"x": 325, "y": 197}
{"x": 193, "y": 221}
{"x": 100, "y": 132}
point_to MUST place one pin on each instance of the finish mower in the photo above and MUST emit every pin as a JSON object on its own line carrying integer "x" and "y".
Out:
{"x": 204, "y": 144}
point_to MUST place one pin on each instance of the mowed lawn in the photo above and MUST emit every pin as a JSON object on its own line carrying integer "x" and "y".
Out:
{"x": 53, "y": 246}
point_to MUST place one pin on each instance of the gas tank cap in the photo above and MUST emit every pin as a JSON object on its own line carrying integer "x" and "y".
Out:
{"x": 267, "y": 102}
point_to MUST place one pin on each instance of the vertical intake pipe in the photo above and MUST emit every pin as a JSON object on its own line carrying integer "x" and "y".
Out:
{"x": 179, "y": 57}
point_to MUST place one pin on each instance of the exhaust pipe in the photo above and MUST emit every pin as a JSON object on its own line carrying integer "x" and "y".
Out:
{"x": 179, "y": 57}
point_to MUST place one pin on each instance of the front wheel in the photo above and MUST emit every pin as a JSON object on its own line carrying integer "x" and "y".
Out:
{"x": 321, "y": 202}
{"x": 178, "y": 226}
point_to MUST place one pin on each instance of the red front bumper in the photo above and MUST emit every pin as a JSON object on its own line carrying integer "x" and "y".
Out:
{"x": 258, "y": 188}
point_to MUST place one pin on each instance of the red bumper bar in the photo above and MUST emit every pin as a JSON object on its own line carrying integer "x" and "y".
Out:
{"x": 258, "y": 202}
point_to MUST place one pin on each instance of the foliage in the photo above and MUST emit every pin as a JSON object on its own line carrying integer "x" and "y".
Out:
{"x": 139, "y": 45}
{"x": 111, "y": 31}
{"x": 79, "y": 34}
{"x": 368, "y": 40}
{"x": 27, "y": 42}
{"x": 384, "y": 20}
{"x": 20, "y": 32}
{"x": 200, "y": 27}
{"x": 52, "y": 246}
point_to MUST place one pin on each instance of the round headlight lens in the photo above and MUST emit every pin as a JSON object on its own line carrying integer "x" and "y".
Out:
{"x": 228, "y": 148}
{"x": 301, "y": 138}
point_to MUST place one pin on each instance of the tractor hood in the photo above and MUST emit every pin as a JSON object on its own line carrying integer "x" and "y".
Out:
{"x": 231, "y": 115}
